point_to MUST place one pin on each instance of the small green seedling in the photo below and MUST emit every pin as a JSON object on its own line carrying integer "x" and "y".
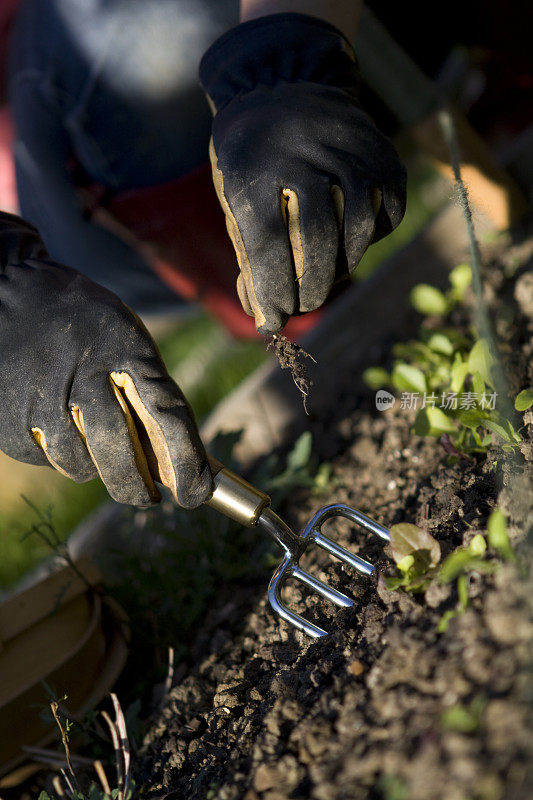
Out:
{"x": 392, "y": 787}
{"x": 447, "y": 377}
{"x": 524, "y": 400}
{"x": 464, "y": 719}
{"x": 417, "y": 556}
{"x": 456, "y": 567}
{"x": 498, "y": 537}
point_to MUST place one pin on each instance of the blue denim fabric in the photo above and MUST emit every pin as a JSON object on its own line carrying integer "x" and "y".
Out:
{"x": 114, "y": 84}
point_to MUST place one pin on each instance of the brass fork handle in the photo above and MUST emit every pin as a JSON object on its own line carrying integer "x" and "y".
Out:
{"x": 235, "y": 497}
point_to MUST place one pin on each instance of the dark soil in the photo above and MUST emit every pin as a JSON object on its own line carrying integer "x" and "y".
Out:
{"x": 264, "y": 713}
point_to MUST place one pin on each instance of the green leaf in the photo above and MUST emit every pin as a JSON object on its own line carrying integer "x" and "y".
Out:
{"x": 438, "y": 376}
{"x": 460, "y": 278}
{"x": 413, "y": 351}
{"x": 376, "y": 377}
{"x": 440, "y": 343}
{"x": 480, "y": 360}
{"x": 459, "y": 719}
{"x": 476, "y": 437}
{"x": 431, "y": 421}
{"x": 478, "y": 545}
{"x": 407, "y": 539}
{"x": 462, "y": 591}
{"x": 478, "y": 384}
{"x": 392, "y": 787}
{"x": 421, "y": 426}
{"x": 472, "y": 418}
{"x": 439, "y": 421}
{"x": 495, "y": 427}
{"x": 407, "y": 378}
{"x": 514, "y": 435}
{"x": 497, "y": 535}
{"x": 458, "y": 372}
{"x": 96, "y": 793}
{"x": 445, "y": 619}
{"x": 464, "y": 719}
{"x": 405, "y": 563}
{"x": 395, "y": 582}
{"x": 300, "y": 454}
{"x": 423, "y": 561}
{"x": 428, "y": 300}
{"x": 456, "y": 563}
{"x": 323, "y": 478}
{"x": 524, "y": 400}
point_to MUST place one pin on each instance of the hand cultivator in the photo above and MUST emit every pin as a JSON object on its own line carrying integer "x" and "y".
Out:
{"x": 242, "y": 502}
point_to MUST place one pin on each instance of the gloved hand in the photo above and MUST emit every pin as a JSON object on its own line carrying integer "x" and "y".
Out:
{"x": 305, "y": 179}
{"x": 76, "y": 367}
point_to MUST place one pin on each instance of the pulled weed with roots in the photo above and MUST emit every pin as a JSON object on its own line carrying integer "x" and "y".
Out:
{"x": 291, "y": 356}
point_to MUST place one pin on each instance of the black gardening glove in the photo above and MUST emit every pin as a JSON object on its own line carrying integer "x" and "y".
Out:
{"x": 77, "y": 367}
{"x": 305, "y": 179}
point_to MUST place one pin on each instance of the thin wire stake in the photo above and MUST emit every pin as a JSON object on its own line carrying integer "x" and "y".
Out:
{"x": 448, "y": 127}
{"x": 482, "y": 320}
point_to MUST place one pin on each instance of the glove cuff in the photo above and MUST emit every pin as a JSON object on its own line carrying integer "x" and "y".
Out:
{"x": 278, "y": 48}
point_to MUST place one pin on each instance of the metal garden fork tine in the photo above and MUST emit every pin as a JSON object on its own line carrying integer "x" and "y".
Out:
{"x": 343, "y": 555}
{"x": 274, "y": 597}
{"x": 322, "y": 588}
{"x": 296, "y": 545}
{"x": 313, "y": 531}
{"x": 342, "y": 510}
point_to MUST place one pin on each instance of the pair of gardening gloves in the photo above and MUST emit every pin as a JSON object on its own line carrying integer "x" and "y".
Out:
{"x": 306, "y": 182}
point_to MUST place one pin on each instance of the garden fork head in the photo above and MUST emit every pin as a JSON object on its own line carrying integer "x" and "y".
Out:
{"x": 239, "y": 500}
{"x": 295, "y": 546}
{"x": 242, "y": 502}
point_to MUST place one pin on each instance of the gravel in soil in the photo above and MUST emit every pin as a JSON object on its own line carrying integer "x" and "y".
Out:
{"x": 385, "y": 706}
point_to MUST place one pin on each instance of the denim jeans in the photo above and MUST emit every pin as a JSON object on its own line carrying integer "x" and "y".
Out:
{"x": 111, "y": 86}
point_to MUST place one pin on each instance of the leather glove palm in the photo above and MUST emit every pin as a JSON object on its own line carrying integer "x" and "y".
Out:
{"x": 305, "y": 179}
{"x": 76, "y": 367}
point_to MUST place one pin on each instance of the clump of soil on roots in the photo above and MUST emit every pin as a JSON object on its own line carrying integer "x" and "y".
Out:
{"x": 265, "y": 713}
{"x": 291, "y": 356}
